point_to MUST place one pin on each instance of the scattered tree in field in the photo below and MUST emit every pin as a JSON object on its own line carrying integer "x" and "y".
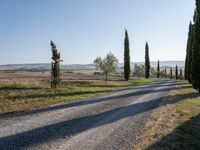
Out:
{"x": 162, "y": 74}
{"x": 158, "y": 69}
{"x": 153, "y": 72}
{"x": 147, "y": 61}
{"x": 181, "y": 74}
{"x": 107, "y": 64}
{"x": 176, "y": 72}
{"x": 55, "y": 67}
{"x": 196, "y": 50}
{"x": 127, "y": 69}
{"x": 188, "y": 60}
{"x": 171, "y": 73}
{"x": 139, "y": 70}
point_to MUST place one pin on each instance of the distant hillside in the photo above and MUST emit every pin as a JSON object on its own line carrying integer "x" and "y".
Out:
{"x": 162, "y": 64}
{"x": 46, "y": 66}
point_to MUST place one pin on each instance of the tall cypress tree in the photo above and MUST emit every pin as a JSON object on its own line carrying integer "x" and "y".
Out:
{"x": 190, "y": 54}
{"x": 147, "y": 61}
{"x": 165, "y": 72}
{"x": 196, "y": 50}
{"x": 188, "y": 58}
{"x": 176, "y": 72}
{"x": 158, "y": 69}
{"x": 181, "y": 74}
{"x": 55, "y": 66}
{"x": 171, "y": 73}
{"x": 127, "y": 69}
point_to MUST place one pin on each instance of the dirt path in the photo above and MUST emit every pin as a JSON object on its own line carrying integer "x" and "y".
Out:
{"x": 109, "y": 121}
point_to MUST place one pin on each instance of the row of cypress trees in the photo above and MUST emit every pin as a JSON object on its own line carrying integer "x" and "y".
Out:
{"x": 192, "y": 62}
{"x": 127, "y": 69}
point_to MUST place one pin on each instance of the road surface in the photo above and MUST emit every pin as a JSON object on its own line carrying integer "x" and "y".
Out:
{"x": 105, "y": 122}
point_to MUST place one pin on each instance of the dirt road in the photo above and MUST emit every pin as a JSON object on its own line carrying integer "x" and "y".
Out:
{"x": 106, "y": 122}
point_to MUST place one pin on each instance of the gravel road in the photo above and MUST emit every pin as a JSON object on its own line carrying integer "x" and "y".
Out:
{"x": 105, "y": 122}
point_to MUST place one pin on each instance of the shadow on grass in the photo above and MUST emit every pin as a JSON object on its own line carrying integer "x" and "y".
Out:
{"x": 71, "y": 127}
{"x": 147, "y": 89}
{"x": 21, "y": 88}
{"x": 124, "y": 93}
{"x": 185, "y": 137}
{"x": 182, "y": 97}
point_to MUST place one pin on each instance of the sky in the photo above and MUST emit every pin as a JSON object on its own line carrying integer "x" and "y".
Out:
{"x": 85, "y": 29}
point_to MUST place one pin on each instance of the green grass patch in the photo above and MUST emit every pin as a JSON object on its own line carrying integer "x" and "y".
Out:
{"x": 189, "y": 104}
{"x": 188, "y": 122}
{"x": 15, "y": 96}
{"x": 139, "y": 81}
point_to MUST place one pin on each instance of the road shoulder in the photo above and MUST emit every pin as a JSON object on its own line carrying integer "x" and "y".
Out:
{"x": 177, "y": 117}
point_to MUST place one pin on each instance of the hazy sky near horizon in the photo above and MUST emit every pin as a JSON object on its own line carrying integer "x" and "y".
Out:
{"x": 85, "y": 29}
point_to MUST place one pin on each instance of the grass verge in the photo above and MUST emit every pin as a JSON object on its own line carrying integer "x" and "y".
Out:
{"x": 25, "y": 96}
{"x": 175, "y": 124}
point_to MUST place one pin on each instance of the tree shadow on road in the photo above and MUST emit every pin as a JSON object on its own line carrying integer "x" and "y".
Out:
{"x": 78, "y": 125}
{"x": 74, "y": 126}
{"x": 129, "y": 92}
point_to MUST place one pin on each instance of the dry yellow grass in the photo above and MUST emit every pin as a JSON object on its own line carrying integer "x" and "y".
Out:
{"x": 175, "y": 124}
{"x": 22, "y": 91}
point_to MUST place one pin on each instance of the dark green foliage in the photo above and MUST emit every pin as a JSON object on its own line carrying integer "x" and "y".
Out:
{"x": 188, "y": 59}
{"x": 55, "y": 67}
{"x": 176, "y": 72}
{"x": 196, "y": 49}
{"x": 147, "y": 61}
{"x": 181, "y": 74}
{"x": 127, "y": 69}
{"x": 158, "y": 69}
{"x": 165, "y": 72}
{"x": 171, "y": 73}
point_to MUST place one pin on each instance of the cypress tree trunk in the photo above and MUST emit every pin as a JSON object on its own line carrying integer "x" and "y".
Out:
{"x": 171, "y": 73}
{"x": 176, "y": 72}
{"x": 158, "y": 69}
{"x": 106, "y": 77}
{"x": 127, "y": 69}
{"x": 147, "y": 61}
{"x": 196, "y": 50}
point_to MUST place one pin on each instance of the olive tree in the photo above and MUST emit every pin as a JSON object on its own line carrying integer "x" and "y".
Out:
{"x": 139, "y": 70}
{"x": 107, "y": 64}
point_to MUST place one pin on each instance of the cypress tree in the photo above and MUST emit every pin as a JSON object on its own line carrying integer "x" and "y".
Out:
{"x": 190, "y": 55}
{"x": 165, "y": 72}
{"x": 188, "y": 58}
{"x": 55, "y": 66}
{"x": 176, "y": 72}
{"x": 171, "y": 73}
{"x": 181, "y": 74}
{"x": 196, "y": 50}
{"x": 158, "y": 69}
{"x": 147, "y": 61}
{"x": 127, "y": 69}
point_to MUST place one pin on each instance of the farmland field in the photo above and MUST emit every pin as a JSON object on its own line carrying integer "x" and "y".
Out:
{"x": 22, "y": 90}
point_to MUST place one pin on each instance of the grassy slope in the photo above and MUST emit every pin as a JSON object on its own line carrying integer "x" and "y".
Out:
{"x": 27, "y": 96}
{"x": 175, "y": 124}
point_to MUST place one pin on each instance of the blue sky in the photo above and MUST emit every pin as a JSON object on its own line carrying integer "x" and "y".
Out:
{"x": 85, "y": 29}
